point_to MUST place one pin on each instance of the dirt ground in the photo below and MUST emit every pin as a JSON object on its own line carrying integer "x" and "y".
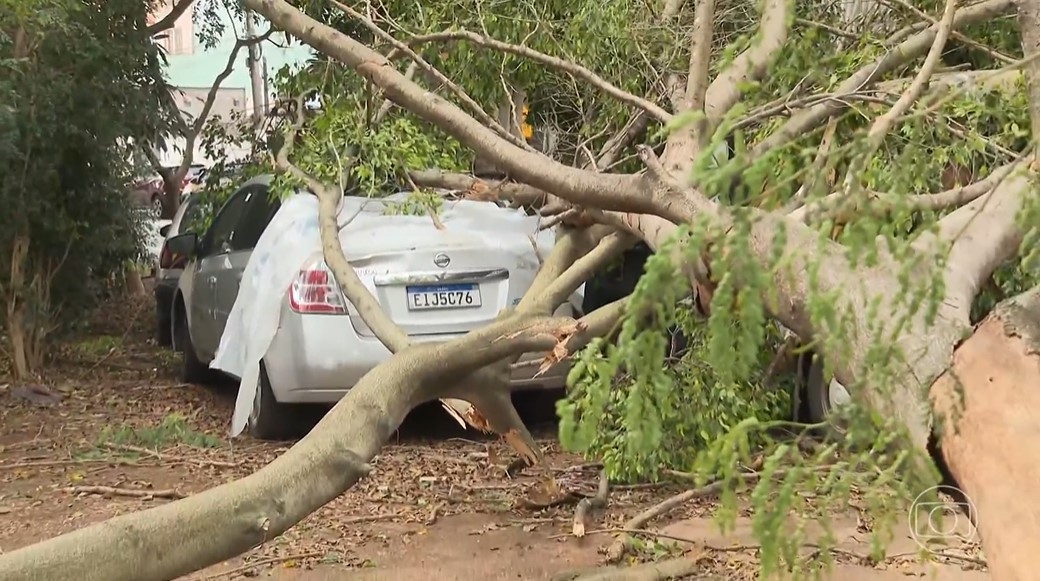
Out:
{"x": 438, "y": 505}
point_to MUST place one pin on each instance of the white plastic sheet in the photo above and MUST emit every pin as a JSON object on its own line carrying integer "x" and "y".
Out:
{"x": 291, "y": 241}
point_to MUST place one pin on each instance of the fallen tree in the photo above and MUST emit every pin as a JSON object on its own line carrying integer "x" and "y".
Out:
{"x": 888, "y": 316}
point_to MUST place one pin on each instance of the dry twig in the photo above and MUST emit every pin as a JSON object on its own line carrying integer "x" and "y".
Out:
{"x": 132, "y": 492}
{"x": 261, "y": 563}
{"x": 582, "y": 512}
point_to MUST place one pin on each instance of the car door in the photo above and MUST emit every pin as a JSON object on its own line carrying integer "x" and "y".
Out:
{"x": 213, "y": 261}
{"x": 258, "y": 209}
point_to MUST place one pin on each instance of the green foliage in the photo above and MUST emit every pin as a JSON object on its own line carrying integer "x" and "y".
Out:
{"x": 637, "y": 431}
{"x": 417, "y": 203}
{"x": 78, "y": 80}
{"x": 174, "y": 429}
{"x": 640, "y": 416}
{"x": 342, "y": 143}
{"x": 710, "y": 411}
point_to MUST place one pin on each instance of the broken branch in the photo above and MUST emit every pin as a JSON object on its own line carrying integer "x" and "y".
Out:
{"x": 882, "y": 125}
{"x": 749, "y": 65}
{"x": 112, "y": 491}
{"x": 905, "y": 51}
{"x": 582, "y": 512}
{"x": 550, "y": 61}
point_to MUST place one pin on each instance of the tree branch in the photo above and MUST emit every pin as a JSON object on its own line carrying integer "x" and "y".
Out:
{"x": 838, "y": 208}
{"x": 882, "y": 125}
{"x": 387, "y": 105}
{"x": 432, "y": 70}
{"x": 571, "y": 245}
{"x": 700, "y": 60}
{"x": 192, "y": 133}
{"x": 984, "y": 234}
{"x": 751, "y": 64}
{"x": 228, "y": 520}
{"x": 167, "y": 22}
{"x": 995, "y": 55}
{"x": 611, "y": 151}
{"x": 388, "y": 333}
{"x": 555, "y": 63}
{"x": 819, "y": 163}
{"x": 475, "y": 188}
{"x": 672, "y": 80}
{"x": 583, "y": 268}
{"x": 1029, "y": 25}
{"x": 616, "y": 192}
{"x": 899, "y": 55}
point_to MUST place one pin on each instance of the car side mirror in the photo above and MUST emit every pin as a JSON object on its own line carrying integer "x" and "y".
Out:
{"x": 183, "y": 246}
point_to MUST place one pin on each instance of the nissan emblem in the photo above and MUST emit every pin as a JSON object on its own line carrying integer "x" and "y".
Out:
{"x": 441, "y": 260}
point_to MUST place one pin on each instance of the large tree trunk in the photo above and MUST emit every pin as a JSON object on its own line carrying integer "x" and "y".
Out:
{"x": 171, "y": 195}
{"x": 988, "y": 411}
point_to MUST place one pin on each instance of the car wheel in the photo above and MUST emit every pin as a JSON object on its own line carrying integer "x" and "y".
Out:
{"x": 157, "y": 208}
{"x": 823, "y": 395}
{"x": 192, "y": 370}
{"x": 268, "y": 418}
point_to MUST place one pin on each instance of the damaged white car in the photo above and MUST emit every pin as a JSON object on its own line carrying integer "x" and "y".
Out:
{"x": 257, "y": 302}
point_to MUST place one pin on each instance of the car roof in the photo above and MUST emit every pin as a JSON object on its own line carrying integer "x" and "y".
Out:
{"x": 263, "y": 179}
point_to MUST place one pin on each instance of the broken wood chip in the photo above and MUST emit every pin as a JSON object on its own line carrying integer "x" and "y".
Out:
{"x": 561, "y": 350}
{"x": 477, "y": 420}
{"x": 517, "y": 442}
{"x": 480, "y": 191}
{"x": 454, "y": 413}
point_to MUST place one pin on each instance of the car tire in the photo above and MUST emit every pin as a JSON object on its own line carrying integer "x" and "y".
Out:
{"x": 270, "y": 419}
{"x": 822, "y": 395}
{"x": 163, "y": 327}
{"x": 192, "y": 370}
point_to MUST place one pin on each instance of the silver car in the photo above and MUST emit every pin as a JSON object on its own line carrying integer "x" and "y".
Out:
{"x": 321, "y": 346}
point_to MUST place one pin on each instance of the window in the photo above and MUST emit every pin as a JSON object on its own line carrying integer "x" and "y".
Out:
{"x": 192, "y": 213}
{"x": 218, "y": 237}
{"x": 260, "y": 209}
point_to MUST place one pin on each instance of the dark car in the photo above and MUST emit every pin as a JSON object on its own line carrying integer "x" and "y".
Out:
{"x": 169, "y": 268}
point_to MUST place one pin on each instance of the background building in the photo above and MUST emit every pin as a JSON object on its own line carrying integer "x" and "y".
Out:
{"x": 193, "y": 69}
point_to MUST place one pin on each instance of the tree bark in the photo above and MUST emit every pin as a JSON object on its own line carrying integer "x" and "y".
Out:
{"x": 134, "y": 284}
{"x": 988, "y": 411}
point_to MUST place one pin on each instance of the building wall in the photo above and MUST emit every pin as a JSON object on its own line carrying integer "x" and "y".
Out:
{"x": 228, "y": 100}
{"x": 179, "y": 40}
{"x": 192, "y": 70}
{"x": 191, "y": 65}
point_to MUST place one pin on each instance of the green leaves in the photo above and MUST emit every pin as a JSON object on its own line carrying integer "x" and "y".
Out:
{"x": 79, "y": 80}
{"x": 641, "y": 416}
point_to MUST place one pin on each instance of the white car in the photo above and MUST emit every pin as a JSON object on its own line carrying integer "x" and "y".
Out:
{"x": 257, "y": 302}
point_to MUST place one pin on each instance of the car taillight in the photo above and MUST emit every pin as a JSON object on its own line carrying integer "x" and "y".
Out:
{"x": 168, "y": 259}
{"x": 315, "y": 291}
{"x": 165, "y": 257}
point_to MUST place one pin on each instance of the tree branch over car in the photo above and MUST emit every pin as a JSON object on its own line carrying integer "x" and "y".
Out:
{"x": 892, "y": 315}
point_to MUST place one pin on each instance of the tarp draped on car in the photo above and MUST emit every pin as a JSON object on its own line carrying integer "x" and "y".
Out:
{"x": 291, "y": 242}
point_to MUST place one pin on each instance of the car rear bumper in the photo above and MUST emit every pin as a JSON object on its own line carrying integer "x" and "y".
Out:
{"x": 318, "y": 358}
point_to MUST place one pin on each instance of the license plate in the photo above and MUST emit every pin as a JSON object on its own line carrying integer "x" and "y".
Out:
{"x": 445, "y": 296}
